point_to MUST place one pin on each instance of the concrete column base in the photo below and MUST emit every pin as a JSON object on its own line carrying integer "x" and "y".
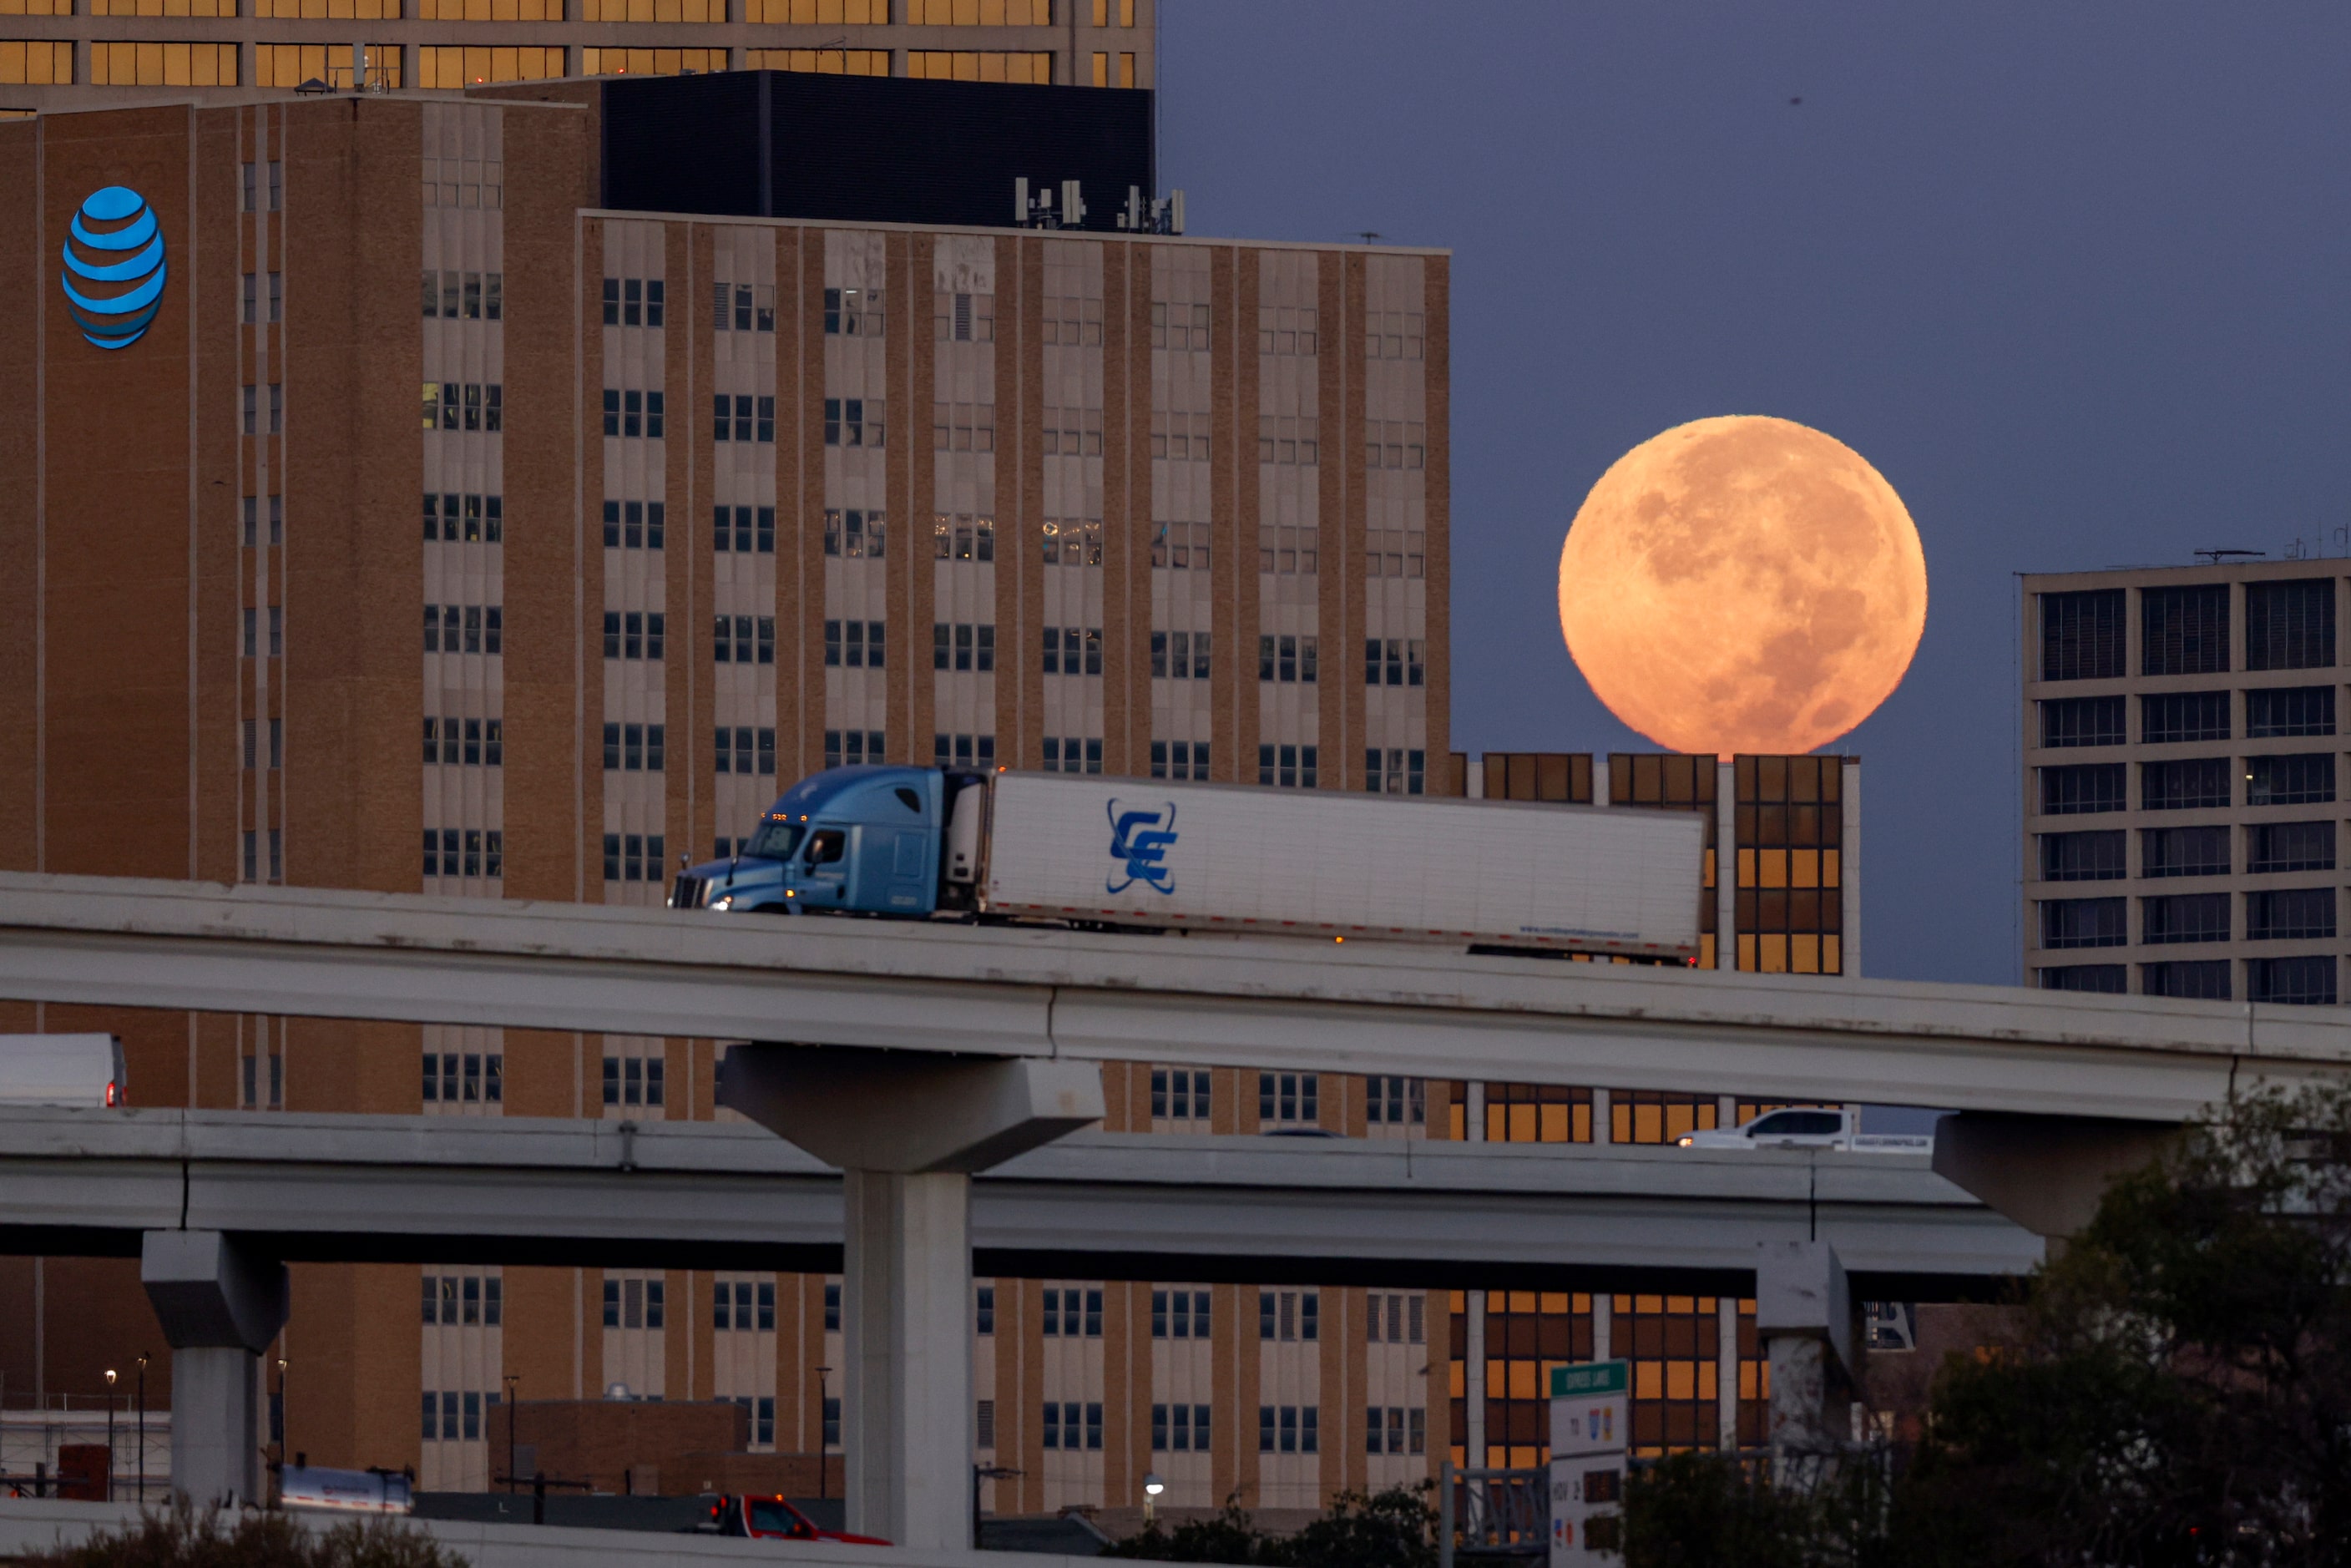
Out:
{"x": 906, "y": 1334}
{"x": 217, "y": 1431}
{"x": 1804, "y": 1314}
{"x": 220, "y": 1305}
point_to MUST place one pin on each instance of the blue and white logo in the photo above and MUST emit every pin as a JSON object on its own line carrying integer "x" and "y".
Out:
{"x": 114, "y": 267}
{"x": 1140, "y": 838}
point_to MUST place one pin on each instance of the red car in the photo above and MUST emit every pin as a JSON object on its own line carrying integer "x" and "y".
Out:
{"x": 773, "y": 1519}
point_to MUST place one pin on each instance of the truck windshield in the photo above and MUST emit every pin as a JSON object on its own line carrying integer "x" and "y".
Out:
{"x": 775, "y": 841}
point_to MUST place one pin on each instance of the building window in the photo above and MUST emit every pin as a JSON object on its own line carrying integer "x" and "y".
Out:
{"x": 264, "y": 415}
{"x": 2182, "y": 851}
{"x": 963, "y": 427}
{"x": 2290, "y": 914}
{"x": 1073, "y": 651}
{"x": 963, "y": 317}
{"x": 2082, "y": 857}
{"x": 468, "y": 405}
{"x": 2289, "y": 710}
{"x": 463, "y": 1078}
{"x": 959, "y": 536}
{"x": 1394, "y": 443}
{"x": 1180, "y": 655}
{"x": 2083, "y": 922}
{"x": 1072, "y": 754}
{"x": 2100, "y": 979}
{"x": 852, "y": 747}
{"x": 1288, "y": 767}
{"x": 633, "y": 1081}
{"x": 1395, "y": 771}
{"x": 632, "y": 857}
{"x": 1393, "y": 661}
{"x": 634, "y": 301}
{"x": 633, "y": 747}
{"x": 2082, "y": 635}
{"x": 465, "y": 629}
{"x": 2178, "y": 717}
{"x": 258, "y": 305}
{"x": 2289, "y": 625}
{"x": 965, "y": 751}
{"x": 2304, "y": 981}
{"x": 1179, "y": 326}
{"x": 1392, "y": 1101}
{"x": 1180, "y": 759}
{"x": 2203, "y": 980}
{"x": 2182, "y": 917}
{"x": 467, "y": 295}
{"x": 448, "y": 68}
{"x": 831, "y": 1325}
{"x": 277, "y": 520}
{"x": 2083, "y": 787}
{"x": 1404, "y": 1321}
{"x": 1289, "y": 1099}
{"x": 1181, "y": 547}
{"x": 1288, "y": 659}
{"x": 1034, "y": 67}
{"x": 636, "y": 524}
{"x": 1288, "y": 1429}
{"x": 1178, "y": 1094}
{"x": 1286, "y": 1315}
{"x": 1077, "y": 541}
{"x": 29, "y": 62}
{"x": 745, "y": 751}
{"x": 1180, "y": 1314}
{"x": 852, "y": 313}
{"x": 1545, "y": 1114}
{"x": 853, "y": 645}
{"x": 985, "y": 1323}
{"x": 743, "y": 639}
{"x": 852, "y": 422}
{"x": 2184, "y": 631}
{"x": 652, "y": 62}
{"x": 961, "y": 646}
{"x": 2192, "y": 783}
{"x": 744, "y": 307}
{"x": 1179, "y": 1430}
{"x": 633, "y": 1304}
{"x": 466, "y": 519}
{"x": 1393, "y": 334}
{"x": 2290, "y": 846}
{"x": 455, "y": 742}
{"x": 744, "y": 530}
{"x": 261, "y": 187}
{"x": 277, "y": 624}
{"x": 742, "y": 417}
{"x": 853, "y": 535}
{"x": 164, "y": 65}
{"x": 1071, "y": 1312}
{"x": 2081, "y": 721}
{"x": 260, "y": 866}
{"x": 1183, "y": 437}
{"x": 2303, "y": 777}
{"x": 465, "y": 851}
{"x": 634, "y": 635}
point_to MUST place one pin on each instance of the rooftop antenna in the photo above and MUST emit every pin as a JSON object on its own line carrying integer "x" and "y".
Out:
{"x": 1369, "y": 237}
{"x": 2216, "y": 556}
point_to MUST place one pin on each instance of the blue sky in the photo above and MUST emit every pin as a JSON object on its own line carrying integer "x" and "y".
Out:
{"x": 2071, "y": 278}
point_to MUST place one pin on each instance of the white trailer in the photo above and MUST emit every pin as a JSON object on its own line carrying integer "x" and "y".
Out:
{"x": 62, "y": 1069}
{"x": 1221, "y": 857}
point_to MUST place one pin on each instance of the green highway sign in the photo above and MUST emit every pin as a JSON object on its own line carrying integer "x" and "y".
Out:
{"x": 1590, "y": 1379}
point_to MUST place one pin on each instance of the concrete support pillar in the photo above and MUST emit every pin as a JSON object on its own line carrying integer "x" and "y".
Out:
{"x": 906, "y": 1334}
{"x": 220, "y": 1305}
{"x": 1803, "y": 1313}
{"x": 2046, "y": 1173}
{"x": 907, "y": 1130}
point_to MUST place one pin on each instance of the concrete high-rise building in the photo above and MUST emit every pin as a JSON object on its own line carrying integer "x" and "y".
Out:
{"x": 452, "y": 534}
{"x": 2180, "y": 793}
{"x": 58, "y": 53}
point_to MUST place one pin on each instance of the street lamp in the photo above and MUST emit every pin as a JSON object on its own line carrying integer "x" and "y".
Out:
{"x": 143, "y": 1427}
{"x": 1151, "y": 1487}
{"x": 824, "y": 1443}
{"x": 110, "y": 1435}
{"x": 512, "y": 1378}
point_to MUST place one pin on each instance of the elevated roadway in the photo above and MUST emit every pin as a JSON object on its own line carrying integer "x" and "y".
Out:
{"x": 1251, "y": 1002}
{"x": 448, "y": 1189}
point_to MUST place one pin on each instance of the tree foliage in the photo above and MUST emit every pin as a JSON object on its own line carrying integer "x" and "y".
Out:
{"x": 1392, "y": 1528}
{"x": 186, "y": 1538}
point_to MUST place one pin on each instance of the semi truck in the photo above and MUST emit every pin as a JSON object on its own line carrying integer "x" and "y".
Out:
{"x": 1096, "y": 852}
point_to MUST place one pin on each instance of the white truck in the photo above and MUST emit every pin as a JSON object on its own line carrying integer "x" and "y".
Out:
{"x": 1091, "y": 850}
{"x": 61, "y": 1070}
{"x": 1810, "y": 1127}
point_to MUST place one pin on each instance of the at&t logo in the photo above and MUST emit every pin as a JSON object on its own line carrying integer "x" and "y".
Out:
{"x": 114, "y": 267}
{"x": 1140, "y": 837}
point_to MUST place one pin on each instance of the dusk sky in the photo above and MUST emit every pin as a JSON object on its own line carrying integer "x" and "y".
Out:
{"x": 2073, "y": 278}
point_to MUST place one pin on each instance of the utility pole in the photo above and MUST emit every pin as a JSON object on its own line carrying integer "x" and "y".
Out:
{"x": 143, "y": 1427}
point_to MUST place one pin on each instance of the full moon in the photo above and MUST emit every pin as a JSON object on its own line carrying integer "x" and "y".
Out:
{"x": 1742, "y": 584}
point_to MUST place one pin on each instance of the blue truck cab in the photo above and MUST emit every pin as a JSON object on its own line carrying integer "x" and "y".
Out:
{"x": 848, "y": 840}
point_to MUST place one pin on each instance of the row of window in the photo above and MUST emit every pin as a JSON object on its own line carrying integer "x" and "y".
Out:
{"x": 633, "y": 1081}
{"x": 1288, "y": 767}
{"x": 448, "y": 405}
{"x": 742, "y": 417}
{"x": 450, "y": 1416}
{"x": 743, "y": 1307}
{"x": 629, "y": 411}
{"x": 254, "y": 839}
{"x": 270, "y": 417}
{"x": 463, "y": 1299}
{"x": 634, "y": 635}
{"x": 1404, "y": 1431}
{"x": 456, "y": 296}
{"x": 459, "y": 629}
{"x": 2307, "y": 980}
{"x": 277, "y": 520}
{"x": 633, "y": 747}
{"x": 1288, "y": 659}
{"x": 463, "y": 1078}
{"x": 632, "y": 857}
{"x": 2176, "y": 716}
{"x": 853, "y": 422}
{"x": 745, "y": 751}
{"x": 1180, "y": 760}
{"x": 633, "y": 1304}
{"x": 971, "y": 427}
{"x": 260, "y": 305}
{"x": 2278, "y": 914}
{"x": 2100, "y": 855}
{"x": 1397, "y": 770}
{"x": 1073, "y": 650}
{"x": 470, "y": 742}
{"x": 854, "y": 313}
{"x": 2289, "y": 625}
{"x": 959, "y": 536}
{"x": 2195, "y": 783}
{"x": 736, "y": 307}
{"x": 459, "y": 518}
{"x": 1072, "y": 754}
{"x": 963, "y": 646}
{"x": 966, "y": 751}
{"x": 1394, "y": 660}
{"x": 640, "y": 303}
{"x": 461, "y": 852}
{"x": 854, "y": 644}
{"x": 743, "y": 639}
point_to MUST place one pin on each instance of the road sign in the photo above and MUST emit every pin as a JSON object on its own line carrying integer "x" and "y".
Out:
{"x": 1590, "y": 1422}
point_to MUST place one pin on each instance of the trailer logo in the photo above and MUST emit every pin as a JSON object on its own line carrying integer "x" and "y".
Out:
{"x": 1140, "y": 837}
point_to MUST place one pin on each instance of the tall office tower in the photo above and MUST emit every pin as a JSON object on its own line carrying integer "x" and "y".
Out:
{"x": 1791, "y": 904}
{"x": 441, "y": 531}
{"x": 2181, "y": 812}
{"x": 59, "y": 53}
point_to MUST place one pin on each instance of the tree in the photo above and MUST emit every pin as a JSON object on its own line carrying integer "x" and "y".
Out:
{"x": 186, "y": 1538}
{"x": 1392, "y": 1528}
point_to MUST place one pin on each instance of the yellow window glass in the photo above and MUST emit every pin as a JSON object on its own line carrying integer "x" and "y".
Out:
{"x": 968, "y": 64}
{"x": 36, "y": 62}
{"x": 291, "y": 65}
{"x": 1126, "y": 71}
{"x": 162, "y": 65}
{"x": 35, "y": 8}
{"x": 984, "y": 13}
{"x": 162, "y": 8}
{"x": 329, "y": 10}
{"x": 489, "y": 11}
{"x": 445, "y": 67}
{"x": 652, "y": 10}
{"x": 814, "y": 13}
{"x": 1101, "y": 70}
{"x": 650, "y": 62}
{"x": 822, "y": 62}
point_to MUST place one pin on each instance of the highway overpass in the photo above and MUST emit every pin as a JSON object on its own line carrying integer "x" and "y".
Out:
{"x": 701, "y": 1195}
